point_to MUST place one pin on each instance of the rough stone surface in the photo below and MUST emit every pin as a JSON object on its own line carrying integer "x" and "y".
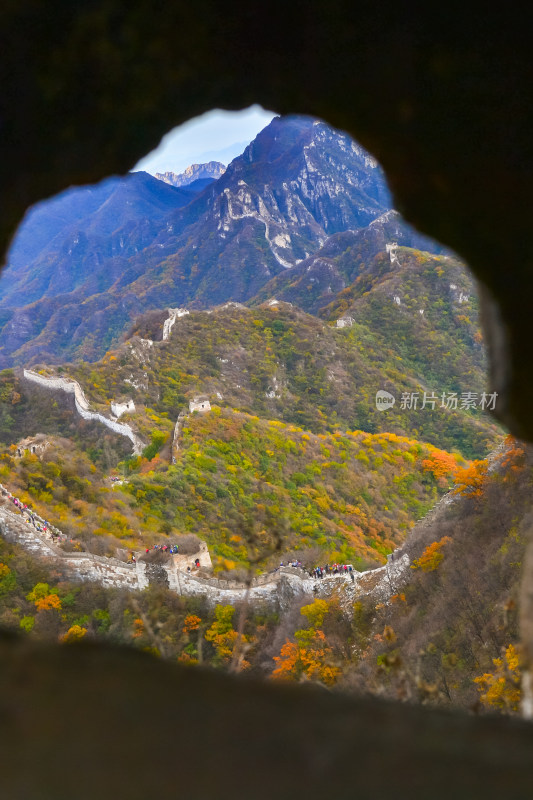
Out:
{"x": 97, "y": 719}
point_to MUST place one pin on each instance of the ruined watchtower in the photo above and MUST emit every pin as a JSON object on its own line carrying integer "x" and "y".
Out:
{"x": 200, "y": 403}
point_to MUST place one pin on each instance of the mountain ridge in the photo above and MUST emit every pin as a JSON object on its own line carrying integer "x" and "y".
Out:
{"x": 212, "y": 170}
{"x": 297, "y": 183}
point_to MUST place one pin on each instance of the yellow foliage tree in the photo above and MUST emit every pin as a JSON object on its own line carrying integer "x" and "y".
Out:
{"x": 315, "y": 612}
{"x": 309, "y": 657}
{"x": 39, "y": 591}
{"x": 223, "y": 636}
{"x": 501, "y": 688}
{"x": 74, "y": 634}
{"x": 389, "y": 634}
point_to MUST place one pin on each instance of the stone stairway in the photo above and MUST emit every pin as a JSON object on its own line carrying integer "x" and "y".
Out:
{"x": 16, "y": 529}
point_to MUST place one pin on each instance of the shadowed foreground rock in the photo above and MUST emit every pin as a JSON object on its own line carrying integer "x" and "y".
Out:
{"x": 89, "y": 722}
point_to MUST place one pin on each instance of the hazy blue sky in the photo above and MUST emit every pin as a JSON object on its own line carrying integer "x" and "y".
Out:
{"x": 215, "y": 136}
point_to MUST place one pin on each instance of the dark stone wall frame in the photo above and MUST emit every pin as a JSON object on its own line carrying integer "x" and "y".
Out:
{"x": 441, "y": 95}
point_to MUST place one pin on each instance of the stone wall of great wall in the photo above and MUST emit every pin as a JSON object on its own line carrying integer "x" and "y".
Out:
{"x": 274, "y": 590}
{"x": 182, "y": 416}
{"x": 82, "y": 406}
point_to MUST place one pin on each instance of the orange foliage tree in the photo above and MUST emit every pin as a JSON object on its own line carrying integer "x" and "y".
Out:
{"x": 44, "y": 597}
{"x": 399, "y": 598}
{"x": 191, "y": 623}
{"x": 432, "y": 556}
{"x": 51, "y": 601}
{"x": 441, "y": 464}
{"x": 471, "y": 480}
{"x": 309, "y": 657}
{"x": 513, "y": 458}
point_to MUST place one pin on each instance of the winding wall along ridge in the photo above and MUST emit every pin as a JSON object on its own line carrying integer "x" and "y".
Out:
{"x": 72, "y": 386}
{"x": 275, "y": 590}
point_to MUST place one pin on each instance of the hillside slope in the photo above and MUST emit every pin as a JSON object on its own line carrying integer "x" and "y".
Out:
{"x": 315, "y": 282}
{"x": 252, "y": 488}
{"x": 280, "y": 379}
{"x": 280, "y": 363}
{"x": 457, "y": 618}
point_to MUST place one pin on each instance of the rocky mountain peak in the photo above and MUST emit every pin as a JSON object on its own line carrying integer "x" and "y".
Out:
{"x": 213, "y": 170}
{"x": 302, "y": 181}
{"x": 199, "y": 239}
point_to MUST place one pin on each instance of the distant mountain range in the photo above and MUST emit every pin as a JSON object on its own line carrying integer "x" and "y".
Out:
{"x": 296, "y": 215}
{"x": 63, "y": 241}
{"x": 196, "y": 172}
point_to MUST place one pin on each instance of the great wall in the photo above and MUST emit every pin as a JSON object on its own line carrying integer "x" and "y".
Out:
{"x": 274, "y": 590}
{"x": 83, "y": 408}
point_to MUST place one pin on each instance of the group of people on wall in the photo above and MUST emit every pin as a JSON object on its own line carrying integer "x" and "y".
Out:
{"x": 333, "y": 569}
{"x": 325, "y": 571}
{"x": 40, "y": 525}
{"x": 170, "y": 549}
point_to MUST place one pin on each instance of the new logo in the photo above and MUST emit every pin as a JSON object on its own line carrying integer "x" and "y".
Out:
{"x": 384, "y": 400}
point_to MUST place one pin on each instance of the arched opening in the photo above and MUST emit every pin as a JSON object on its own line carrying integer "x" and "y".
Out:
{"x": 285, "y": 293}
